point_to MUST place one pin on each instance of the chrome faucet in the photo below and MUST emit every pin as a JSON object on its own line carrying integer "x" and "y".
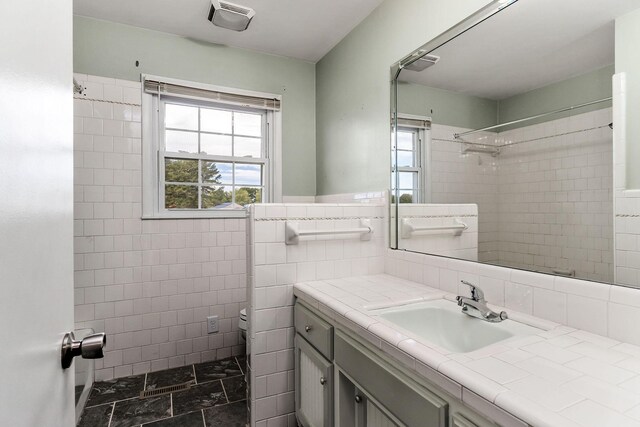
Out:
{"x": 476, "y": 306}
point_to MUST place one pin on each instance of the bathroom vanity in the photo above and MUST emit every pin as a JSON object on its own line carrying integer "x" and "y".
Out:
{"x": 356, "y": 365}
{"x": 338, "y": 374}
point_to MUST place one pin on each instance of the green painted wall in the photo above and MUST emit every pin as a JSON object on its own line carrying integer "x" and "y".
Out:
{"x": 109, "y": 49}
{"x": 628, "y": 61}
{"x": 588, "y": 87}
{"x": 447, "y": 107}
{"x": 455, "y": 109}
{"x": 352, "y": 110}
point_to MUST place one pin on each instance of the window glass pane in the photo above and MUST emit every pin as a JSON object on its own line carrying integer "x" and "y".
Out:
{"x": 216, "y": 196}
{"x": 219, "y": 145}
{"x": 201, "y": 131}
{"x": 181, "y": 117}
{"x": 217, "y": 172}
{"x": 181, "y": 142}
{"x": 247, "y": 147}
{"x": 248, "y": 195}
{"x": 180, "y": 196}
{"x": 180, "y": 170}
{"x": 247, "y": 124}
{"x": 405, "y": 158}
{"x": 407, "y": 179}
{"x": 405, "y": 140}
{"x": 248, "y": 174}
{"x": 215, "y": 120}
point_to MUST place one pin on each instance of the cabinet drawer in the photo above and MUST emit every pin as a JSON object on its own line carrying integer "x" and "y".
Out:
{"x": 315, "y": 330}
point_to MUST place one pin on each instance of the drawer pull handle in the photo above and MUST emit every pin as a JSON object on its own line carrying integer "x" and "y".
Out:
{"x": 358, "y": 398}
{"x": 323, "y": 380}
{"x": 307, "y": 328}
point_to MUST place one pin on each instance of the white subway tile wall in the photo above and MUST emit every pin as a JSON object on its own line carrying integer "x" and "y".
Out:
{"x": 274, "y": 267}
{"x": 467, "y": 178}
{"x": 546, "y": 201}
{"x": 148, "y": 284}
{"x": 445, "y": 243}
{"x": 627, "y": 237}
{"x": 556, "y": 197}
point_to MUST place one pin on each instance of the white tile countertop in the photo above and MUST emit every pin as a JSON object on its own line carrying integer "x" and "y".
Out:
{"x": 558, "y": 377}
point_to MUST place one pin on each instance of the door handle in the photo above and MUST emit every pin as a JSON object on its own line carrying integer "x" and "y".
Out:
{"x": 91, "y": 347}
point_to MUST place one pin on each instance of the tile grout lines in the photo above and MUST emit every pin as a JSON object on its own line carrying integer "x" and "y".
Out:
{"x": 113, "y": 409}
{"x": 227, "y": 400}
{"x": 225, "y": 392}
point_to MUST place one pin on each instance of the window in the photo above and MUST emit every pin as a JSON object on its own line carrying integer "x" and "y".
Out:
{"x": 212, "y": 158}
{"x": 410, "y": 160}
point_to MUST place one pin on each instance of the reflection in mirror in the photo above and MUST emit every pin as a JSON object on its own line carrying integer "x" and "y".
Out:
{"x": 503, "y": 147}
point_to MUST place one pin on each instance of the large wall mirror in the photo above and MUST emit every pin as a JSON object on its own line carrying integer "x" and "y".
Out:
{"x": 503, "y": 136}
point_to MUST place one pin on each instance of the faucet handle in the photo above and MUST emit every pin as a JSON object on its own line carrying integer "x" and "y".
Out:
{"x": 476, "y": 292}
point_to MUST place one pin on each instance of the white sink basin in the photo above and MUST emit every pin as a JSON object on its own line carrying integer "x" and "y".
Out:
{"x": 442, "y": 323}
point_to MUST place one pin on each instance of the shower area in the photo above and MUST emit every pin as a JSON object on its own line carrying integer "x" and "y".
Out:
{"x": 542, "y": 186}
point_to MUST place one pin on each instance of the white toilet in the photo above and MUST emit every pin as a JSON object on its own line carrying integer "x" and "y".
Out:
{"x": 242, "y": 323}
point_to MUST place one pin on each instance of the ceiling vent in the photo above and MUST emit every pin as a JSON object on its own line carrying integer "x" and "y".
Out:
{"x": 230, "y": 15}
{"x": 423, "y": 63}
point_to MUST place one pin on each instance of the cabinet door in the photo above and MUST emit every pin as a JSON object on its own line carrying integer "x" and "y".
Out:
{"x": 356, "y": 409}
{"x": 314, "y": 386}
{"x": 377, "y": 417}
{"x": 369, "y": 414}
{"x": 407, "y": 402}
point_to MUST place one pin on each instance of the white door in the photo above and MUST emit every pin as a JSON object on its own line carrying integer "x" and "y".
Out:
{"x": 36, "y": 211}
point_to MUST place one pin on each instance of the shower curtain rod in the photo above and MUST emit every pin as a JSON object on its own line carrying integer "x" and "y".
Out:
{"x": 537, "y": 116}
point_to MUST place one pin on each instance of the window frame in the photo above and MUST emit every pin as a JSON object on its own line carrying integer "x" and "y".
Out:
{"x": 422, "y": 158}
{"x": 153, "y": 152}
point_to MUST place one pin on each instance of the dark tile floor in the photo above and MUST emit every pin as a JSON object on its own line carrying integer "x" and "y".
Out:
{"x": 216, "y": 398}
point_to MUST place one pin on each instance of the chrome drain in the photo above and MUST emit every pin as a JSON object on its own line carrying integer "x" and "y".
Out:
{"x": 161, "y": 391}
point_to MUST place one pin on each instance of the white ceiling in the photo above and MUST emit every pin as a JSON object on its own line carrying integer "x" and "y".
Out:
{"x": 528, "y": 45}
{"x": 303, "y": 29}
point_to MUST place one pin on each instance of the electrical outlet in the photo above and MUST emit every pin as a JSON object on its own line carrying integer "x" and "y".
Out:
{"x": 212, "y": 324}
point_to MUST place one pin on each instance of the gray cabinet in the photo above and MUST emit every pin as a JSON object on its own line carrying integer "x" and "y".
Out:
{"x": 315, "y": 330}
{"x": 375, "y": 416}
{"x": 314, "y": 386}
{"x": 342, "y": 382}
{"x": 391, "y": 399}
{"x": 356, "y": 409}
